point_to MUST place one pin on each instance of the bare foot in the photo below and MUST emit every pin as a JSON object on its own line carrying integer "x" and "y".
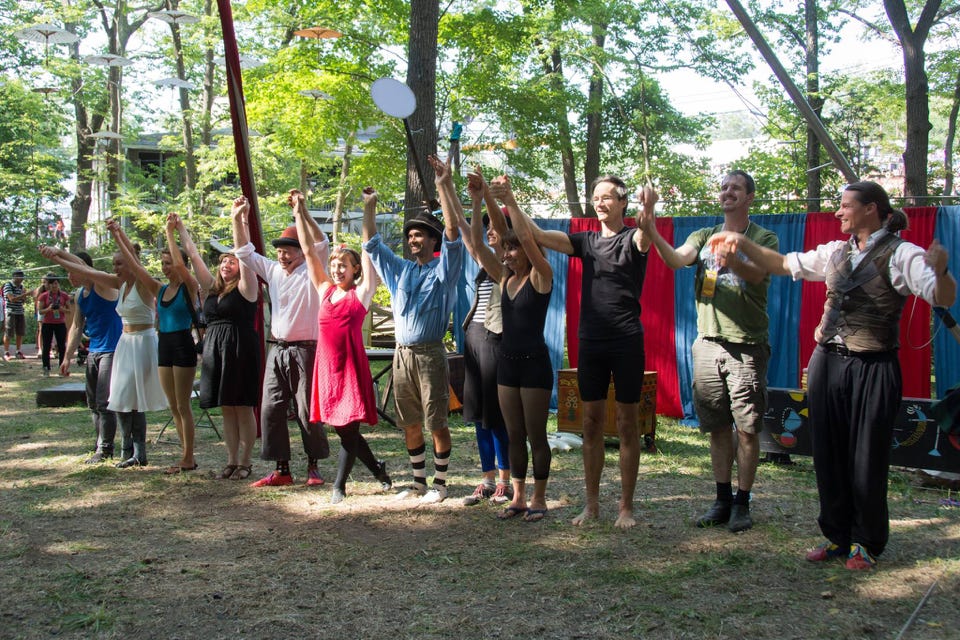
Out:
{"x": 625, "y": 520}
{"x": 588, "y": 513}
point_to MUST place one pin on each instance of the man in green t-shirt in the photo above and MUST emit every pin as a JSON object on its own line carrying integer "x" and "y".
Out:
{"x": 731, "y": 351}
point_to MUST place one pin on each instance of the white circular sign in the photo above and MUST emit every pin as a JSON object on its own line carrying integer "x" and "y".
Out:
{"x": 393, "y": 97}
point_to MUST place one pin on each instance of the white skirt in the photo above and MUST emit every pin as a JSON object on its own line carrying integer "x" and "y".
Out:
{"x": 134, "y": 379}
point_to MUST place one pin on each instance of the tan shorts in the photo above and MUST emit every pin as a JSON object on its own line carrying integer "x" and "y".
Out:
{"x": 730, "y": 385}
{"x": 421, "y": 385}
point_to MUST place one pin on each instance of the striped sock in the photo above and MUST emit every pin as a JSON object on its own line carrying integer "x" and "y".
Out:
{"x": 418, "y": 460}
{"x": 441, "y": 460}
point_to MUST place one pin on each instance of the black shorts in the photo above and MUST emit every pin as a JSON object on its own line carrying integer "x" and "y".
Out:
{"x": 623, "y": 359}
{"x": 176, "y": 349}
{"x": 528, "y": 371}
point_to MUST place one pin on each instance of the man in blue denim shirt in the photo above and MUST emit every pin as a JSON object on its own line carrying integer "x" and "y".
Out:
{"x": 423, "y": 291}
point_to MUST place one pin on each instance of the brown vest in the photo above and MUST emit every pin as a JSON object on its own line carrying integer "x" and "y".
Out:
{"x": 862, "y": 306}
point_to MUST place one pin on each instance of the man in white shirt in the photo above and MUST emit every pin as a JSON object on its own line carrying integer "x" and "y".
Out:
{"x": 289, "y": 367}
{"x": 853, "y": 379}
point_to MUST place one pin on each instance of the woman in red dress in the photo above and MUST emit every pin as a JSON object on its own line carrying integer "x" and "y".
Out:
{"x": 343, "y": 394}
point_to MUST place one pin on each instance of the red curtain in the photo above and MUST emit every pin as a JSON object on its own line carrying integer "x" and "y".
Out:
{"x": 916, "y": 351}
{"x": 659, "y": 323}
{"x": 657, "y": 305}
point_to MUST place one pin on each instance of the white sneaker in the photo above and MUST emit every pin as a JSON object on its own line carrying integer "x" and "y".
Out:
{"x": 416, "y": 490}
{"x": 435, "y": 495}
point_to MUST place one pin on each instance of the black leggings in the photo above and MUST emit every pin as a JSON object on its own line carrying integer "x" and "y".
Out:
{"x": 525, "y": 411}
{"x": 47, "y": 333}
{"x": 352, "y": 446}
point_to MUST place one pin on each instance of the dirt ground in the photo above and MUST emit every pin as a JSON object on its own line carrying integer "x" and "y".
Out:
{"x": 94, "y": 551}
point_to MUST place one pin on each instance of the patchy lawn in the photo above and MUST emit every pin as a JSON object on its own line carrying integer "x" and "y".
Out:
{"x": 97, "y": 551}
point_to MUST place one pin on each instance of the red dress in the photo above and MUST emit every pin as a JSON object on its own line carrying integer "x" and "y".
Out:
{"x": 342, "y": 384}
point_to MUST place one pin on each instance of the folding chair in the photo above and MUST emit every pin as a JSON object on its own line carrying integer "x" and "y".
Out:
{"x": 203, "y": 419}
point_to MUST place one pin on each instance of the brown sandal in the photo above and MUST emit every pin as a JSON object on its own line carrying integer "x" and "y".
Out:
{"x": 242, "y": 472}
{"x": 227, "y": 471}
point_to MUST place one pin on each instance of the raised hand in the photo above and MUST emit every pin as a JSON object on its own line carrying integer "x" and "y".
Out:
{"x": 441, "y": 169}
{"x": 369, "y": 196}
{"x": 501, "y": 189}
{"x": 647, "y": 217}
{"x": 296, "y": 200}
{"x": 937, "y": 257}
{"x": 475, "y": 184}
{"x": 240, "y": 209}
{"x": 173, "y": 221}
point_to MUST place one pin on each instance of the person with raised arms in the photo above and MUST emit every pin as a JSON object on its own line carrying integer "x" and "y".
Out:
{"x": 854, "y": 383}
{"x": 614, "y": 263}
{"x": 423, "y": 291}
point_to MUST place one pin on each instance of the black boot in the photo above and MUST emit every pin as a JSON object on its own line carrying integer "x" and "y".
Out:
{"x": 101, "y": 454}
{"x": 385, "y": 482}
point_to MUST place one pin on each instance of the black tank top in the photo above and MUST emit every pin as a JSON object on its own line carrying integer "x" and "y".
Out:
{"x": 524, "y": 318}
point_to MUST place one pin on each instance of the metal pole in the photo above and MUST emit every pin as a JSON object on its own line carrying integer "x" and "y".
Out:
{"x": 801, "y": 103}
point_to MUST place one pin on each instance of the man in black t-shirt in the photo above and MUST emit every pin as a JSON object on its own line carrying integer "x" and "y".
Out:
{"x": 611, "y": 337}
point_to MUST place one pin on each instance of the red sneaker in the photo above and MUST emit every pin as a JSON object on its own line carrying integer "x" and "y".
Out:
{"x": 314, "y": 479}
{"x": 859, "y": 559}
{"x": 826, "y": 551}
{"x": 273, "y": 480}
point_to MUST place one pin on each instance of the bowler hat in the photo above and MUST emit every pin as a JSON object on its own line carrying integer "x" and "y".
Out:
{"x": 288, "y": 238}
{"x": 425, "y": 221}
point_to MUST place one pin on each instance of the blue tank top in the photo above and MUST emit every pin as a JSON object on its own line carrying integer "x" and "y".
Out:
{"x": 174, "y": 315}
{"x": 103, "y": 325}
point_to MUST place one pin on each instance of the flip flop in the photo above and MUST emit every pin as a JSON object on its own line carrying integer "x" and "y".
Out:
{"x": 534, "y": 515}
{"x": 511, "y": 512}
{"x": 170, "y": 471}
{"x": 242, "y": 472}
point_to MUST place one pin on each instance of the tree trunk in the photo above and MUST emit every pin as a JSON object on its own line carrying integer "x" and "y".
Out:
{"x": 948, "y": 143}
{"x": 591, "y": 157}
{"x": 816, "y": 103}
{"x": 553, "y": 66}
{"x": 190, "y": 161}
{"x": 912, "y": 40}
{"x": 85, "y": 125}
{"x": 422, "y": 79}
{"x": 206, "y": 117}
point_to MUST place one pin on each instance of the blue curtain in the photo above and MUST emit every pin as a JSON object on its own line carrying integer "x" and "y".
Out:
{"x": 685, "y": 313}
{"x": 946, "y": 350}
{"x": 783, "y": 304}
{"x": 465, "y": 291}
{"x": 555, "y": 330}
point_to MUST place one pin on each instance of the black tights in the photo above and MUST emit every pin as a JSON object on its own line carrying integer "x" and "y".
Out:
{"x": 352, "y": 446}
{"x": 525, "y": 412}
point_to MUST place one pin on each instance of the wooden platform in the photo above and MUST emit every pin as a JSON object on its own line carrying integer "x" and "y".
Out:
{"x": 67, "y": 394}
{"x": 570, "y": 418}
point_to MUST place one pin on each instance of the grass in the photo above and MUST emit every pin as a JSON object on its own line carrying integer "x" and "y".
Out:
{"x": 96, "y": 551}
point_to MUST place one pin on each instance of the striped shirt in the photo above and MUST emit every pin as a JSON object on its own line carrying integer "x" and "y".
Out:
{"x": 13, "y": 308}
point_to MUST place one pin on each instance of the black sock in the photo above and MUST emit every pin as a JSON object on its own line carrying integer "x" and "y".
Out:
{"x": 724, "y": 491}
{"x": 742, "y": 497}
{"x": 283, "y": 467}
